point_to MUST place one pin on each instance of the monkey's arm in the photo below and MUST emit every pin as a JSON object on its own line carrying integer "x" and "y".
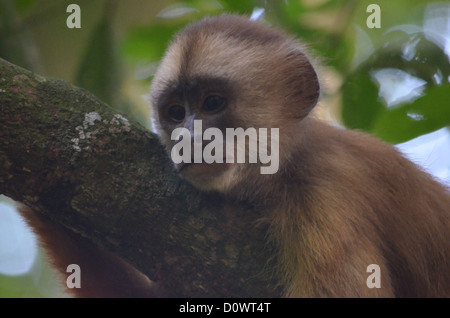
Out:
{"x": 103, "y": 274}
{"x": 328, "y": 245}
{"x": 363, "y": 203}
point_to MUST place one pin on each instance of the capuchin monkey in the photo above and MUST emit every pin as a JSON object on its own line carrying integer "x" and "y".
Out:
{"x": 337, "y": 202}
{"x": 340, "y": 200}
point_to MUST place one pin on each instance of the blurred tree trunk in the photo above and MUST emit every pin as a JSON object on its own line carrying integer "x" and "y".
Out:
{"x": 70, "y": 157}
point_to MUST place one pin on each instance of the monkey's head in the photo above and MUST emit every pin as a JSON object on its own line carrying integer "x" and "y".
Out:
{"x": 230, "y": 72}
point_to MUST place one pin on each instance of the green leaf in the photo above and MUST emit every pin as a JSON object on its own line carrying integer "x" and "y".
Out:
{"x": 24, "y": 5}
{"x": 361, "y": 104}
{"x": 101, "y": 68}
{"x": 17, "y": 43}
{"x": 363, "y": 109}
{"x": 427, "y": 114}
{"x": 99, "y": 71}
{"x": 241, "y": 6}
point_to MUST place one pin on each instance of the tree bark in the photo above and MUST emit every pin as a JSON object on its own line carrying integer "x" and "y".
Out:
{"x": 72, "y": 158}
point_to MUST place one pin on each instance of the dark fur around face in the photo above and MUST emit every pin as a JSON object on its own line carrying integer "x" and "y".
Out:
{"x": 260, "y": 66}
{"x": 340, "y": 201}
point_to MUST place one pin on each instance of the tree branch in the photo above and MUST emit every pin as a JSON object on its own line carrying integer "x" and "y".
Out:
{"x": 73, "y": 159}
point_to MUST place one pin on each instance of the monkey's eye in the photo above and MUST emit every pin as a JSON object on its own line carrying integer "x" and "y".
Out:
{"x": 176, "y": 113}
{"x": 214, "y": 104}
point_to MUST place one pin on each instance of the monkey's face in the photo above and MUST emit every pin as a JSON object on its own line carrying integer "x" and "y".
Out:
{"x": 227, "y": 73}
{"x": 186, "y": 111}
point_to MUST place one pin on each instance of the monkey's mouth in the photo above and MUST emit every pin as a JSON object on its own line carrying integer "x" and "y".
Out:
{"x": 201, "y": 168}
{"x": 183, "y": 166}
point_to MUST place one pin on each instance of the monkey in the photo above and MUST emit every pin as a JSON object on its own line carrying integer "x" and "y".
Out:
{"x": 340, "y": 201}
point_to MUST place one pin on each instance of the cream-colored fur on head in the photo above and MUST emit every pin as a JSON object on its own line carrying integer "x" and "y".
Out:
{"x": 268, "y": 66}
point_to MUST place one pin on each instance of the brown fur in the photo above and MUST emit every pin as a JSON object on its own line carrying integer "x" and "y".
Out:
{"x": 102, "y": 273}
{"x": 341, "y": 200}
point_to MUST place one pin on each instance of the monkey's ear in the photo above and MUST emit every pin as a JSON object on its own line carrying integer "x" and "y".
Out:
{"x": 303, "y": 85}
